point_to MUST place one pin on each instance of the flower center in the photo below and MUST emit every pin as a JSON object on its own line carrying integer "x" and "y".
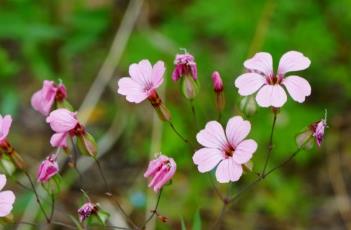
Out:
{"x": 228, "y": 151}
{"x": 274, "y": 79}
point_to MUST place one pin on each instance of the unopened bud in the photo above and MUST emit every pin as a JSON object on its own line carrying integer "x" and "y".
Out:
{"x": 87, "y": 144}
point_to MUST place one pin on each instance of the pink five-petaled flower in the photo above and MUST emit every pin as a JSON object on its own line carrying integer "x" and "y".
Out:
{"x": 43, "y": 99}
{"x": 5, "y": 125}
{"x": 161, "y": 170}
{"x": 87, "y": 210}
{"x": 228, "y": 148}
{"x": 143, "y": 81}
{"x": 260, "y": 77}
{"x": 64, "y": 123}
{"x": 7, "y": 198}
{"x": 184, "y": 65}
{"x": 47, "y": 169}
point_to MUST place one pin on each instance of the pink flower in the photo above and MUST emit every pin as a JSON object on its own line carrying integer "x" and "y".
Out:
{"x": 5, "y": 125}
{"x": 64, "y": 123}
{"x": 217, "y": 82}
{"x": 318, "y": 131}
{"x": 43, "y": 100}
{"x": 7, "y": 198}
{"x": 47, "y": 169}
{"x": 87, "y": 210}
{"x": 161, "y": 170}
{"x": 143, "y": 81}
{"x": 228, "y": 148}
{"x": 184, "y": 65}
{"x": 261, "y": 78}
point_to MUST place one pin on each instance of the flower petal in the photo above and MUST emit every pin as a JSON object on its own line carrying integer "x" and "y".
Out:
{"x": 5, "y": 125}
{"x": 293, "y": 61}
{"x": 228, "y": 171}
{"x": 7, "y": 198}
{"x": 298, "y": 88}
{"x": 2, "y": 181}
{"x": 261, "y": 62}
{"x": 157, "y": 74}
{"x": 212, "y": 135}
{"x": 248, "y": 83}
{"x": 243, "y": 152}
{"x": 271, "y": 95}
{"x": 132, "y": 90}
{"x": 141, "y": 72}
{"x": 206, "y": 158}
{"x": 237, "y": 129}
{"x": 59, "y": 140}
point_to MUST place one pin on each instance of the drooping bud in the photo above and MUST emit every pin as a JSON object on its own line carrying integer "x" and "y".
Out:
{"x": 314, "y": 130}
{"x": 161, "y": 170}
{"x": 47, "y": 169}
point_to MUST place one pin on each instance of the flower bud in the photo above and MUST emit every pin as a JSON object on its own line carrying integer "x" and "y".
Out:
{"x": 161, "y": 170}
{"x": 315, "y": 130}
{"x": 248, "y": 105}
{"x": 87, "y": 144}
{"x": 217, "y": 82}
{"x": 190, "y": 87}
{"x": 47, "y": 169}
{"x": 185, "y": 65}
{"x": 87, "y": 210}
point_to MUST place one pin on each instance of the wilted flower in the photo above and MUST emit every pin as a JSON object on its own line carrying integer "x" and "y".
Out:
{"x": 161, "y": 170}
{"x": 261, "y": 78}
{"x": 228, "y": 148}
{"x": 185, "y": 65}
{"x": 318, "y": 131}
{"x": 7, "y": 198}
{"x": 87, "y": 210}
{"x": 186, "y": 70}
{"x": 43, "y": 100}
{"x": 47, "y": 169}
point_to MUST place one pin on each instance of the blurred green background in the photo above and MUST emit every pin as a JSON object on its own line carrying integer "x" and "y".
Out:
{"x": 71, "y": 40}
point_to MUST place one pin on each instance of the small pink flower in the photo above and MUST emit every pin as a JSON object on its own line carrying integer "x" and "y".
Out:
{"x": 161, "y": 170}
{"x": 47, "y": 169}
{"x": 64, "y": 123}
{"x": 7, "y": 198}
{"x": 184, "y": 65}
{"x": 260, "y": 77}
{"x": 217, "y": 82}
{"x": 87, "y": 210}
{"x": 228, "y": 148}
{"x": 318, "y": 131}
{"x": 5, "y": 125}
{"x": 43, "y": 100}
{"x": 143, "y": 81}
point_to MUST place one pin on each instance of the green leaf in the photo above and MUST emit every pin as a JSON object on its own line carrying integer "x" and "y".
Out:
{"x": 182, "y": 222}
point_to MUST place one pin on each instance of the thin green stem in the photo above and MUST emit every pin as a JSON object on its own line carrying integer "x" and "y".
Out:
{"x": 270, "y": 144}
{"x": 52, "y": 206}
{"x": 37, "y": 196}
{"x": 154, "y": 211}
{"x": 186, "y": 141}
